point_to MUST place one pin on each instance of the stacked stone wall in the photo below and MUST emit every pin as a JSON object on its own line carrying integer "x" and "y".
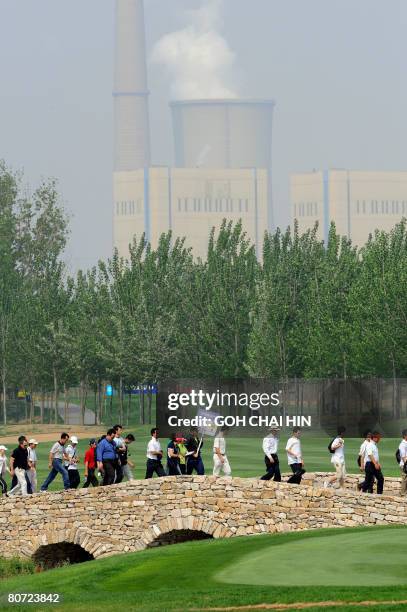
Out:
{"x": 133, "y": 515}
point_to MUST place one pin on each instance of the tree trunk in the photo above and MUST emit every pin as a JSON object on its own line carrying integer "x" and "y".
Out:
{"x": 42, "y": 402}
{"x": 121, "y": 400}
{"x": 128, "y": 409}
{"x": 395, "y": 398}
{"x": 82, "y": 402}
{"x": 65, "y": 404}
{"x": 141, "y": 401}
{"x": 149, "y": 403}
{"x": 100, "y": 404}
{"x": 4, "y": 394}
{"x": 55, "y": 397}
{"x": 32, "y": 406}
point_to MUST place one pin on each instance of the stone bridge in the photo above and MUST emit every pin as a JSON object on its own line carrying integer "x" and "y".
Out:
{"x": 85, "y": 524}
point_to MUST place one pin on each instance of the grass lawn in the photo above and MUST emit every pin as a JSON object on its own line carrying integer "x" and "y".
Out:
{"x": 296, "y": 567}
{"x": 357, "y": 556}
{"x": 245, "y": 454}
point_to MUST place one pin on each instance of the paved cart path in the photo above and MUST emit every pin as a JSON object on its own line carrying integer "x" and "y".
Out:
{"x": 74, "y": 414}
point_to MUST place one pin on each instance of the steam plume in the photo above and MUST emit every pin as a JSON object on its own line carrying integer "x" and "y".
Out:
{"x": 198, "y": 58}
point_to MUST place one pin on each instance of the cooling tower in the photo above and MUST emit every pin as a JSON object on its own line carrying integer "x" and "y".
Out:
{"x": 222, "y": 133}
{"x": 132, "y": 132}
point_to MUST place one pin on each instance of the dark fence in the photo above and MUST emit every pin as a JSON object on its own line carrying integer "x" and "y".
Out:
{"x": 358, "y": 404}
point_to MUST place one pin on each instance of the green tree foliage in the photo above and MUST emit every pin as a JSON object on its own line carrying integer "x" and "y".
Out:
{"x": 33, "y": 231}
{"x": 220, "y": 304}
{"x": 379, "y": 306}
{"x": 305, "y": 309}
{"x": 279, "y": 329}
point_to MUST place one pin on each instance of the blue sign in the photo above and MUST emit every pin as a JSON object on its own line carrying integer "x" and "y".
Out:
{"x": 109, "y": 390}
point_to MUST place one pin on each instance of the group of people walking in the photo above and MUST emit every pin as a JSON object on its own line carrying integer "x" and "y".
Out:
{"x": 368, "y": 460}
{"x": 22, "y": 467}
{"x": 184, "y": 454}
{"x": 107, "y": 460}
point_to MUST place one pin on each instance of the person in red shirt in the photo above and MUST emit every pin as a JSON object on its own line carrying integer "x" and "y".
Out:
{"x": 90, "y": 465}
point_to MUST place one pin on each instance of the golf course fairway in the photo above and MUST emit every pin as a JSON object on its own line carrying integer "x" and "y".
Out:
{"x": 351, "y": 559}
{"x": 362, "y": 564}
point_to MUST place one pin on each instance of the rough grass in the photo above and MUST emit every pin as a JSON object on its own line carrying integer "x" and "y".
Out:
{"x": 15, "y": 567}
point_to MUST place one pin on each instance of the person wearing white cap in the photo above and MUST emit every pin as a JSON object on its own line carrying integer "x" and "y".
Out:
{"x": 71, "y": 464}
{"x": 3, "y": 469}
{"x": 32, "y": 463}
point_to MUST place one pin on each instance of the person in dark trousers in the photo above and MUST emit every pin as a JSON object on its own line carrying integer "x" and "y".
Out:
{"x": 57, "y": 456}
{"x": 90, "y": 465}
{"x": 270, "y": 449}
{"x": 194, "y": 459}
{"x": 19, "y": 466}
{"x": 121, "y": 448}
{"x": 372, "y": 466}
{"x": 106, "y": 456}
{"x": 173, "y": 457}
{"x": 294, "y": 457}
{"x": 154, "y": 456}
{"x": 72, "y": 463}
{"x": 362, "y": 458}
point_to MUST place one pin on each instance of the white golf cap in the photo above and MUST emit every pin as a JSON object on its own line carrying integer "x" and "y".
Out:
{"x": 2, "y": 447}
{"x": 32, "y": 441}
{"x": 74, "y": 440}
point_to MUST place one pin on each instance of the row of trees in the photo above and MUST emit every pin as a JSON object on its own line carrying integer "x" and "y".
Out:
{"x": 306, "y": 310}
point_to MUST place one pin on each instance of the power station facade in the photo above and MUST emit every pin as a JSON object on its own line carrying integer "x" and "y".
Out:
{"x": 358, "y": 202}
{"x": 222, "y": 152}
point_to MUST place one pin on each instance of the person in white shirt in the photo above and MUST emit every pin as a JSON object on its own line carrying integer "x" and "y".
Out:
{"x": 372, "y": 466}
{"x": 32, "y": 462}
{"x": 220, "y": 459}
{"x": 403, "y": 462}
{"x": 71, "y": 463}
{"x": 118, "y": 440}
{"x": 3, "y": 470}
{"x": 361, "y": 458}
{"x": 270, "y": 449}
{"x": 338, "y": 460}
{"x": 294, "y": 457}
{"x": 154, "y": 456}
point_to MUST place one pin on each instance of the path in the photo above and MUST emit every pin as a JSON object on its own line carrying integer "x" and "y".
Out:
{"x": 74, "y": 414}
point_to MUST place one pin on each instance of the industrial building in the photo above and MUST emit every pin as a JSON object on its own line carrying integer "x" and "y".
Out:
{"x": 222, "y": 152}
{"x": 359, "y": 202}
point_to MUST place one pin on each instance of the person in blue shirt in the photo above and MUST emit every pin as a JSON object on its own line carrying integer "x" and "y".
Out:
{"x": 106, "y": 456}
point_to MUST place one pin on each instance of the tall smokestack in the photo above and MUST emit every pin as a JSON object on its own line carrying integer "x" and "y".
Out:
{"x": 132, "y": 130}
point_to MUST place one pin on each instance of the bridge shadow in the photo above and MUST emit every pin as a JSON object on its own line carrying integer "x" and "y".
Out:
{"x": 64, "y": 553}
{"x": 177, "y": 536}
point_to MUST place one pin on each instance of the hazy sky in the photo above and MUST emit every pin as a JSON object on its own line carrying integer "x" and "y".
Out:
{"x": 337, "y": 70}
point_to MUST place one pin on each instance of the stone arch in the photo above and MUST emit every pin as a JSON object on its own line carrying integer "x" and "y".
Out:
{"x": 70, "y": 542}
{"x": 49, "y": 556}
{"x": 182, "y": 529}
